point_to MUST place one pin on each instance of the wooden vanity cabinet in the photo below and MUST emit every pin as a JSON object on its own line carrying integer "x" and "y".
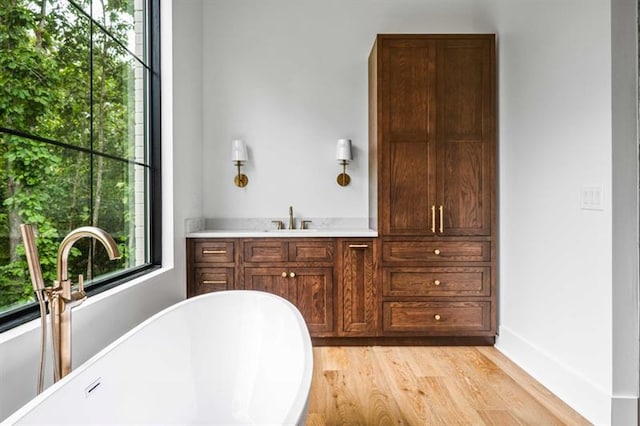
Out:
{"x": 358, "y": 299}
{"x": 211, "y": 266}
{"x": 432, "y": 183}
{"x": 432, "y": 105}
{"x": 299, "y": 270}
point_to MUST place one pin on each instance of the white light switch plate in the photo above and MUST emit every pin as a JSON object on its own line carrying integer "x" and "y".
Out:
{"x": 592, "y": 197}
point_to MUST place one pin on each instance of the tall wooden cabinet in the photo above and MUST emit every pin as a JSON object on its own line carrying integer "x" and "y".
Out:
{"x": 432, "y": 170}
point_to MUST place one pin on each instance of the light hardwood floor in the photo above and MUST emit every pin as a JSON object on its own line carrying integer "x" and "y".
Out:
{"x": 428, "y": 386}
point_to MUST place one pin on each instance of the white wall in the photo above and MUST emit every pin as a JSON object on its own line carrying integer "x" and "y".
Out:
{"x": 556, "y": 260}
{"x": 107, "y": 316}
{"x": 290, "y": 78}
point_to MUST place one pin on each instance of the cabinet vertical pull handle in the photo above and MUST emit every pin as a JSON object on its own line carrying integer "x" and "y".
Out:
{"x": 433, "y": 219}
{"x": 441, "y": 219}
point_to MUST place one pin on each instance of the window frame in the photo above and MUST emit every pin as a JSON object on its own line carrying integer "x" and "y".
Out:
{"x": 31, "y": 311}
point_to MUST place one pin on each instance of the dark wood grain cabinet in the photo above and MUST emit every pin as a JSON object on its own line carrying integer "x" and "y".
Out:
{"x": 358, "y": 301}
{"x": 211, "y": 266}
{"x": 432, "y": 178}
{"x": 310, "y": 289}
{"x": 300, "y": 270}
{"x": 435, "y": 134}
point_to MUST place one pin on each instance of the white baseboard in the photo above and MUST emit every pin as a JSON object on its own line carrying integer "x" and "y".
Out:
{"x": 624, "y": 411}
{"x": 588, "y": 399}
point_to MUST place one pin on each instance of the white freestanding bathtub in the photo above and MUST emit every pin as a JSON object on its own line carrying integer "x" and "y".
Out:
{"x": 234, "y": 357}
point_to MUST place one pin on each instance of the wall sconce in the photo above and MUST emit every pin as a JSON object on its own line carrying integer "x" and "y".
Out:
{"x": 344, "y": 156}
{"x": 239, "y": 157}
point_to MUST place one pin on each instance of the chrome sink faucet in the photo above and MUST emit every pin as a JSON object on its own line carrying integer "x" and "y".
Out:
{"x": 61, "y": 296}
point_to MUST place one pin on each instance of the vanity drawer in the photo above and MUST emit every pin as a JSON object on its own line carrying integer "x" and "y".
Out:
{"x": 214, "y": 252}
{"x": 417, "y": 281}
{"x": 434, "y": 251}
{"x": 265, "y": 251}
{"x": 213, "y": 279}
{"x": 311, "y": 251}
{"x": 436, "y": 317}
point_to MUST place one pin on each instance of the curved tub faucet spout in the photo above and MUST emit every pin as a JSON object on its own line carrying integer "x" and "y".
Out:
{"x": 78, "y": 233}
{"x": 62, "y": 298}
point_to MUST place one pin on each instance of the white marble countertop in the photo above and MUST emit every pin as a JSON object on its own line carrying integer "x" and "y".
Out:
{"x": 283, "y": 233}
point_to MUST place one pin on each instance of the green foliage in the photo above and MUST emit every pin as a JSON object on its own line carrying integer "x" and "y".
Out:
{"x": 51, "y": 64}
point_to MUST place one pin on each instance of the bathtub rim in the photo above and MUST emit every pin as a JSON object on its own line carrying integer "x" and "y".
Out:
{"x": 296, "y": 412}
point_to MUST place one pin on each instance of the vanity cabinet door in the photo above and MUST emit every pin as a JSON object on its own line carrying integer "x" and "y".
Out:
{"x": 313, "y": 289}
{"x": 357, "y": 292}
{"x": 309, "y": 289}
{"x": 271, "y": 280}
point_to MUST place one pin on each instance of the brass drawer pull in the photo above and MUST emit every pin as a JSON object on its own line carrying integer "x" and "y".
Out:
{"x": 284, "y": 275}
{"x": 436, "y": 282}
{"x": 358, "y": 245}
{"x": 292, "y": 274}
{"x": 433, "y": 219}
{"x": 437, "y": 317}
{"x": 214, "y": 252}
{"x": 214, "y": 282}
{"x": 436, "y": 252}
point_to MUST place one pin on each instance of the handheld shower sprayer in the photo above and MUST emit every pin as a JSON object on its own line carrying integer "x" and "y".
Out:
{"x": 31, "y": 252}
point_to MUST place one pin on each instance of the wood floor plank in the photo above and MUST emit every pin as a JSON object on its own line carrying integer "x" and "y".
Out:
{"x": 428, "y": 386}
{"x": 510, "y": 396}
{"x": 551, "y": 402}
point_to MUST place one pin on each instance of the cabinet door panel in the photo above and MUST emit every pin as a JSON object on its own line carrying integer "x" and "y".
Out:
{"x": 313, "y": 289}
{"x": 411, "y": 183}
{"x": 408, "y": 123}
{"x": 358, "y": 294}
{"x": 269, "y": 280}
{"x": 465, "y": 137}
{"x": 408, "y": 87}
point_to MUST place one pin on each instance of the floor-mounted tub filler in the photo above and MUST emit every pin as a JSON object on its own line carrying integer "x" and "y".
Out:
{"x": 234, "y": 357}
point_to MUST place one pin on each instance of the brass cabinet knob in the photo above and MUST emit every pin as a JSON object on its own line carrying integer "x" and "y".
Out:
{"x": 292, "y": 274}
{"x": 284, "y": 275}
{"x": 436, "y": 252}
{"x": 436, "y": 282}
{"x": 437, "y": 317}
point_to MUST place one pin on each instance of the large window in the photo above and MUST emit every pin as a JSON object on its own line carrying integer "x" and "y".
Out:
{"x": 79, "y": 139}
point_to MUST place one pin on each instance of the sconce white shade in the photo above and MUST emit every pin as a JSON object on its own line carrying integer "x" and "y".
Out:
{"x": 343, "y": 150}
{"x": 238, "y": 151}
